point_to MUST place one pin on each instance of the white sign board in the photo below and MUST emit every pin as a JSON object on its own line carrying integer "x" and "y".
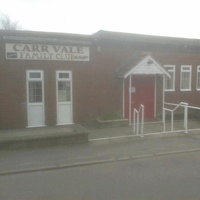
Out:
{"x": 46, "y": 52}
{"x": 132, "y": 89}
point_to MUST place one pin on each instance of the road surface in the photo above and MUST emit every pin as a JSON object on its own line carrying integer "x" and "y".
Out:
{"x": 175, "y": 176}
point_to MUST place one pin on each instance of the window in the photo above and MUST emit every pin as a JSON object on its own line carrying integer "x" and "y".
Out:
{"x": 170, "y": 82}
{"x": 35, "y": 86}
{"x": 64, "y": 86}
{"x": 64, "y": 75}
{"x": 35, "y": 91}
{"x": 198, "y": 77}
{"x": 186, "y": 78}
{"x": 64, "y": 93}
{"x": 34, "y": 75}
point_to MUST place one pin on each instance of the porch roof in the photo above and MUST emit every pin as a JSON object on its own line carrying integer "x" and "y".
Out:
{"x": 141, "y": 63}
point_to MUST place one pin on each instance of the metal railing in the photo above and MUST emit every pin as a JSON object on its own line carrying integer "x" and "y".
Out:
{"x": 136, "y": 120}
{"x": 181, "y": 104}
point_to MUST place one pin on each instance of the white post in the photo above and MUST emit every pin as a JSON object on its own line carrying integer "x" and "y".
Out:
{"x": 163, "y": 119}
{"x": 130, "y": 100}
{"x": 137, "y": 123}
{"x": 155, "y": 95}
{"x": 186, "y": 118}
{"x": 123, "y": 98}
{"x": 142, "y": 122}
{"x": 163, "y": 94}
{"x": 134, "y": 120}
{"x": 172, "y": 120}
{"x": 184, "y": 125}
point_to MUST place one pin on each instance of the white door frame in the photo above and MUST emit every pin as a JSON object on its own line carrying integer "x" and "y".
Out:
{"x": 36, "y": 104}
{"x": 64, "y": 103}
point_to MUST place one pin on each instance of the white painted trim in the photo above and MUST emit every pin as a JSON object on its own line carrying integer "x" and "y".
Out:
{"x": 123, "y": 98}
{"x": 130, "y": 99}
{"x": 188, "y": 70}
{"x": 163, "y": 98}
{"x": 174, "y": 76}
{"x": 146, "y": 134}
{"x": 71, "y": 93}
{"x": 27, "y": 95}
{"x": 198, "y": 71}
{"x": 155, "y": 93}
{"x": 144, "y": 61}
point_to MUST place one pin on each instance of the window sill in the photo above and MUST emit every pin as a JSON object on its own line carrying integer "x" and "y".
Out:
{"x": 186, "y": 90}
{"x": 169, "y": 90}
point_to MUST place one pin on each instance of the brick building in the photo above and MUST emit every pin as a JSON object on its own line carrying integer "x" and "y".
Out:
{"x": 52, "y": 79}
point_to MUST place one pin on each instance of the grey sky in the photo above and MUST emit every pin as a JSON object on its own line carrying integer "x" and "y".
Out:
{"x": 156, "y": 17}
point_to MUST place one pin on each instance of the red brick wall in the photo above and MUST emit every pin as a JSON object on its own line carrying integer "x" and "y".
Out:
{"x": 13, "y": 102}
{"x": 192, "y": 97}
{"x": 96, "y": 88}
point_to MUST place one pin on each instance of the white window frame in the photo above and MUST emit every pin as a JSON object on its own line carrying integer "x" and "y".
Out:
{"x": 198, "y": 77}
{"x": 71, "y": 93}
{"x": 28, "y": 79}
{"x": 189, "y": 69}
{"x": 64, "y": 79}
{"x": 28, "y": 73}
{"x": 173, "y": 71}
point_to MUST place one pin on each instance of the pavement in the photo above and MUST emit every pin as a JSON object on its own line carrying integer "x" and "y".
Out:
{"x": 105, "y": 145}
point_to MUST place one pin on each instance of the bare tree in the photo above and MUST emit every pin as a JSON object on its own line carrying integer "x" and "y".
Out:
{"x": 7, "y": 24}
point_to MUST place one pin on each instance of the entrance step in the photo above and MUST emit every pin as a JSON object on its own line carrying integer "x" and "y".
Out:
{"x": 41, "y": 137}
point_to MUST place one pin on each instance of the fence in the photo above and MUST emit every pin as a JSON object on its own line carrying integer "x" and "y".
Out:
{"x": 181, "y": 104}
{"x": 136, "y": 120}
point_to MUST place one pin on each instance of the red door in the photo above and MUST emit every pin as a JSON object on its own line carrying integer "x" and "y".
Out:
{"x": 142, "y": 92}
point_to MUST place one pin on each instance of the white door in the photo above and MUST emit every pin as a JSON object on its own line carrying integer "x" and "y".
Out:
{"x": 35, "y": 98}
{"x": 64, "y": 97}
